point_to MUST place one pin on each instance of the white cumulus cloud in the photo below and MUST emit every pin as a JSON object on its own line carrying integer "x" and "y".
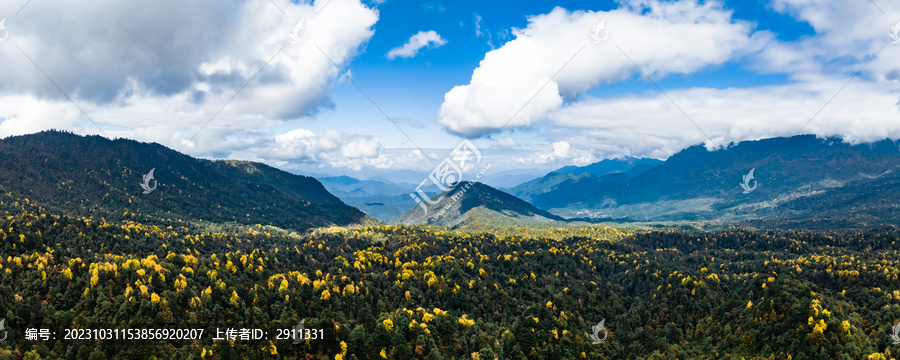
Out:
{"x": 553, "y": 59}
{"x": 505, "y": 143}
{"x": 560, "y": 152}
{"x": 836, "y": 85}
{"x": 160, "y": 71}
{"x": 422, "y": 39}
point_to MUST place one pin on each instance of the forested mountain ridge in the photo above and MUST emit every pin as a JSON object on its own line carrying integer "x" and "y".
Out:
{"x": 626, "y": 165}
{"x": 474, "y": 201}
{"x": 581, "y": 177}
{"x": 91, "y": 174}
{"x": 792, "y": 178}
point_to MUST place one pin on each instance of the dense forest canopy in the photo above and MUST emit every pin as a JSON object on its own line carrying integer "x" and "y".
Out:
{"x": 402, "y": 292}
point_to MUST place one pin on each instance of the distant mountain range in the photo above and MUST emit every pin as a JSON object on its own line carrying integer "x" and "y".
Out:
{"x": 627, "y": 167}
{"x": 93, "y": 175}
{"x": 798, "y": 180}
{"x": 606, "y": 171}
{"x": 476, "y": 202}
{"x": 798, "y": 177}
{"x": 381, "y": 199}
{"x": 385, "y": 199}
{"x": 510, "y": 178}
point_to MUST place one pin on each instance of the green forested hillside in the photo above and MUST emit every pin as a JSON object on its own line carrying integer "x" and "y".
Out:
{"x": 469, "y": 202}
{"x": 94, "y": 175}
{"x": 402, "y": 292}
{"x": 796, "y": 178}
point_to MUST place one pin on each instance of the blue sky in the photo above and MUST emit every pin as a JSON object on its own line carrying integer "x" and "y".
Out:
{"x": 729, "y": 71}
{"x": 417, "y": 85}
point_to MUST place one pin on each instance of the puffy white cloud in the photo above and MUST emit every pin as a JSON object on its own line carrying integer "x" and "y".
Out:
{"x": 25, "y": 115}
{"x": 334, "y": 148}
{"x": 505, "y": 142}
{"x": 297, "y": 143}
{"x": 302, "y": 143}
{"x": 422, "y": 39}
{"x": 652, "y": 126}
{"x": 683, "y": 38}
{"x": 847, "y": 37}
{"x": 159, "y": 71}
{"x": 553, "y": 59}
{"x": 362, "y": 149}
{"x": 831, "y": 72}
{"x": 560, "y": 152}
